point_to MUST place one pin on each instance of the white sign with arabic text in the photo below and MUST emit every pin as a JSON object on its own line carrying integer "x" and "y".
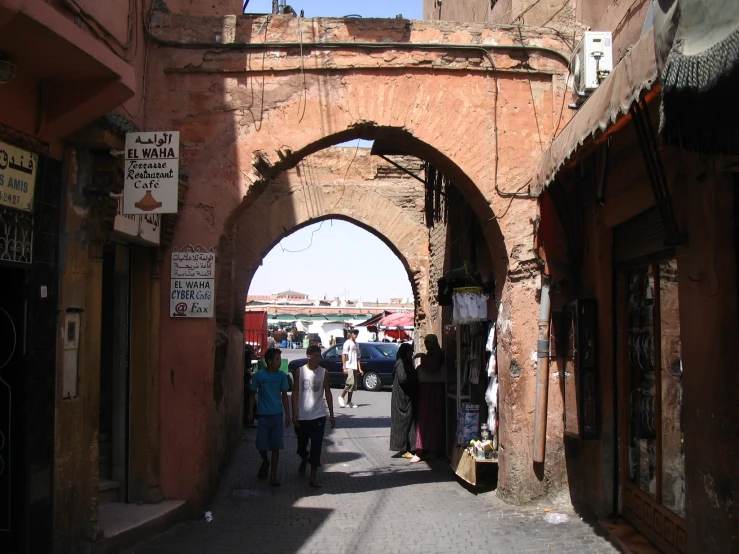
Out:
{"x": 192, "y": 293}
{"x": 17, "y": 177}
{"x": 151, "y": 173}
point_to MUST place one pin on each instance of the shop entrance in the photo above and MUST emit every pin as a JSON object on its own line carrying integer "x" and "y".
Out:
{"x": 12, "y": 401}
{"x": 114, "y": 375}
{"x": 652, "y": 472}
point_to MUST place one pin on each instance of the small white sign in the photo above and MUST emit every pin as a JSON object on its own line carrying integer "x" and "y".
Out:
{"x": 151, "y": 173}
{"x": 140, "y": 228}
{"x": 17, "y": 177}
{"x": 192, "y": 292}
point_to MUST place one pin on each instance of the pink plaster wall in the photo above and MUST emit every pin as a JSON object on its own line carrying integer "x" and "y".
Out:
{"x": 246, "y": 117}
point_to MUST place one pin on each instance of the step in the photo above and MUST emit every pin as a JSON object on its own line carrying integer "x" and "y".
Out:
{"x": 628, "y": 539}
{"x": 108, "y": 491}
{"x": 125, "y": 525}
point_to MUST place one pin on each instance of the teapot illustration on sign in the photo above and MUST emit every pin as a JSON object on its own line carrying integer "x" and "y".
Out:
{"x": 148, "y": 203}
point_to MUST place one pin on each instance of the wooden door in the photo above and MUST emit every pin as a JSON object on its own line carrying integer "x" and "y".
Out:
{"x": 652, "y": 469}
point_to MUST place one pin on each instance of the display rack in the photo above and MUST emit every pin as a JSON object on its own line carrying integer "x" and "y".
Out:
{"x": 466, "y": 383}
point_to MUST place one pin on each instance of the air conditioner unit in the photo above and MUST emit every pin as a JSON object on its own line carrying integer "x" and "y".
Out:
{"x": 591, "y": 62}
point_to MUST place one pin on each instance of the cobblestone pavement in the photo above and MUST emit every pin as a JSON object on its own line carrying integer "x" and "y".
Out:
{"x": 369, "y": 503}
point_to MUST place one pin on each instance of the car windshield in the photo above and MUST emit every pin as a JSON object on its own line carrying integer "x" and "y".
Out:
{"x": 387, "y": 349}
{"x": 332, "y": 353}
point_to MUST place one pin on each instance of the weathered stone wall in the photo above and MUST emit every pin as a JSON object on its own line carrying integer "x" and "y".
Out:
{"x": 560, "y": 14}
{"x": 248, "y": 112}
{"x": 342, "y": 183}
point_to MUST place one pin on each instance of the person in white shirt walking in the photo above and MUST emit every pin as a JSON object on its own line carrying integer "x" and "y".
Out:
{"x": 352, "y": 369}
{"x": 309, "y": 414}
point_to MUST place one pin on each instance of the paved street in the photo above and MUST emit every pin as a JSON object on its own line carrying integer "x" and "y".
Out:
{"x": 370, "y": 503}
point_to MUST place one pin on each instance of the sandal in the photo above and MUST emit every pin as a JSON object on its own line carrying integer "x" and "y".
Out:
{"x": 315, "y": 484}
{"x": 303, "y": 465}
{"x": 407, "y": 455}
{"x": 415, "y": 459}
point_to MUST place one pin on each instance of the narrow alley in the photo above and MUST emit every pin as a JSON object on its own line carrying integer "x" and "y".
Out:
{"x": 370, "y": 503}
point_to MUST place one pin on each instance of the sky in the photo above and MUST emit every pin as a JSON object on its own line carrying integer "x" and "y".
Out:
{"x": 341, "y": 260}
{"x": 411, "y": 9}
{"x": 368, "y": 270}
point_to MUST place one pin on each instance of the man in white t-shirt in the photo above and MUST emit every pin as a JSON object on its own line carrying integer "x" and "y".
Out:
{"x": 352, "y": 369}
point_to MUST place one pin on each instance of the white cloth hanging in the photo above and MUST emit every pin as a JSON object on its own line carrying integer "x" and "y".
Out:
{"x": 490, "y": 344}
{"x": 491, "y": 398}
{"x": 469, "y": 307}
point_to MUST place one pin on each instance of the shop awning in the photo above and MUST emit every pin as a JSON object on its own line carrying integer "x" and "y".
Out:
{"x": 396, "y": 321}
{"x": 697, "y": 49}
{"x": 605, "y": 111}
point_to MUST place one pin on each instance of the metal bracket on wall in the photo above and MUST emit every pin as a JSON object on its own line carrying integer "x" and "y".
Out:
{"x": 656, "y": 171}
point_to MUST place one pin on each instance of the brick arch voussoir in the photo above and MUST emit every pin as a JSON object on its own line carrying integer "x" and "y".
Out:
{"x": 281, "y": 213}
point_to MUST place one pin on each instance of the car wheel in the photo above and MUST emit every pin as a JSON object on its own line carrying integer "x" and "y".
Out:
{"x": 372, "y": 382}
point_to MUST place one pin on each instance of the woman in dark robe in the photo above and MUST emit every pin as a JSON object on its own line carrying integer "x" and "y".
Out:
{"x": 431, "y": 394}
{"x": 402, "y": 403}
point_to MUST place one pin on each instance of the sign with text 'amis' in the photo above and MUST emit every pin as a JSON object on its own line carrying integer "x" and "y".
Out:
{"x": 17, "y": 177}
{"x": 192, "y": 293}
{"x": 151, "y": 173}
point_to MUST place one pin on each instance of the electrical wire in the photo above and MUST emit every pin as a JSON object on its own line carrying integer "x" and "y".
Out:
{"x": 533, "y": 100}
{"x": 309, "y": 245}
{"x": 513, "y": 196}
{"x": 302, "y": 70}
{"x": 567, "y": 83}
{"x": 103, "y": 33}
{"x": 343, "y": 190}
{"x": 146, "y": 69}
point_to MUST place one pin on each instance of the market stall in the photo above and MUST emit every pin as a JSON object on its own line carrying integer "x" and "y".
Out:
{"x": 471, "y": 388}
{"x": 397, "y": 326}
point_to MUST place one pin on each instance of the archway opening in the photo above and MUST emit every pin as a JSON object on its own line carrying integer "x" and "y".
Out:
{"x": 331, "y": 275}
{"x": 324, "y": 279}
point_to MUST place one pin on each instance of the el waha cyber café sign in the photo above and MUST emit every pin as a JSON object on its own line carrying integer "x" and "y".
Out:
{"x": 151, "y": 173}
{"x": 193, "y": 278}
{"x": 17, "y": 177}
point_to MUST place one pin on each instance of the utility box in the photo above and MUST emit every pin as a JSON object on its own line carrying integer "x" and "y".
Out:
{"x": 591, "y": 63}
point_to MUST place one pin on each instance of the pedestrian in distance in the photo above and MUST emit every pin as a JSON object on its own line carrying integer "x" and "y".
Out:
{"x": 352, "y": 369}
{"x": 431, "y": 395}
{"x": 309, "y": 415}
{"x": 271, "y": 385}
{"x": 403, "y": 403}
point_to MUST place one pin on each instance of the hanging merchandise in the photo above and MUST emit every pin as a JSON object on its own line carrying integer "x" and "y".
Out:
{"x": 470, "y": 305}
{"x": 491, "y": 398}
{"x": 490, "y": 346}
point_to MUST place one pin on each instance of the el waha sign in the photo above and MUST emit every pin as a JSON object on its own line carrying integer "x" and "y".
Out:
{"x": 17, "y": 177}
{"x": 151, "y": 173}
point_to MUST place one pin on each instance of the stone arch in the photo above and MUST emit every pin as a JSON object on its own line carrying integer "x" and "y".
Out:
{"x": 244, "y": 118}
{"x": 295, "y": 199}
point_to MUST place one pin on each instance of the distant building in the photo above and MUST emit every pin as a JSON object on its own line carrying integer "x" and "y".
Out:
{"x": 290, "y": 295}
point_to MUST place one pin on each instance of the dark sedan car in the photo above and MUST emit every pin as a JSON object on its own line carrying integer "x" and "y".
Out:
{"x": 377, "y": 360}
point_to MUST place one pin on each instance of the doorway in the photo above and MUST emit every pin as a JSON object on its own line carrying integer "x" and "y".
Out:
{"x": 13, "y": 491}
{"x": 650, "y": 403}
{"x": 113, "y": 441}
